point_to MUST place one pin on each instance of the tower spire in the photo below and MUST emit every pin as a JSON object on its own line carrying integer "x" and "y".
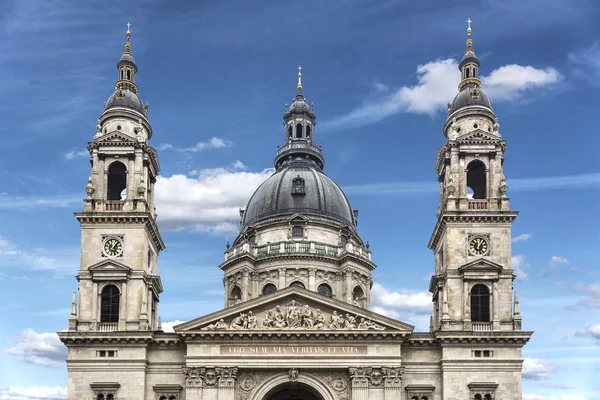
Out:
{"x": 127, "y": 66}
{"x": 299, "y": 86}
{"x": 469, "y": 65}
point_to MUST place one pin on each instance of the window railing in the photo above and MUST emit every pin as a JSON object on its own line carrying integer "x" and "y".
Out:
{"x": 114, "y": 205}
{"x": 290, "y": 247}
{"x": 107, "y": 326}
{"x": 478, "y": 204}
{"x": 299, "y": 145}
{"x": 482, "y": 326}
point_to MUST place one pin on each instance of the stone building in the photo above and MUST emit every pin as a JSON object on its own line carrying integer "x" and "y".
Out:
{"x": 296, "y": 322}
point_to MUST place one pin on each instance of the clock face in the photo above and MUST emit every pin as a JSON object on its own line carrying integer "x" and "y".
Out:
{"x": 113, "y": 247}
{"x": 478, "y": 246}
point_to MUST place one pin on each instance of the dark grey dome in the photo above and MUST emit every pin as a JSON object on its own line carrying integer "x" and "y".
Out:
{"x": 465, "y": 98}
{"x": 322, "y": 197}
{"x": 128, "y": 100}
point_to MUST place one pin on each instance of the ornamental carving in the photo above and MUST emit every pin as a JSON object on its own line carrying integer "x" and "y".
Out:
{"x": 293, "y": 373}
{"x": 339, "y": 383}
{"x": 360, "y": 376}
{"x": 248, "y": 381}
{"x": 392, "y": 377}
{"x": 295, "y": 316}
{"x": 193, "y": 376}
{"x": 226, "y": 376}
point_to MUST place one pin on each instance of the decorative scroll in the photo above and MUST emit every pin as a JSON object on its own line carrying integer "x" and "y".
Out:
{"x": 363, "y": 376}
{"x": 392, "y": 377}
{"x": 209, "y": 377}
{"x": 295, "y": 316}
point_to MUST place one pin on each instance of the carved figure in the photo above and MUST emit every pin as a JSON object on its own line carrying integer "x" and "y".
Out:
{"x": 450, "y": 189}
{"x": 267, "y": 323}
{"x": 89, "y": 188}
{"x": 319, "y": 320}
{"x": 239, "y": 322}
{"x": 293, "y": 375}
{"x": 293, "y": 315}
{"x": 307, "y": 317}
{"x": 350, "y": 322}
{"x": 279, "y": 319}
{"x": 252, "y": 322}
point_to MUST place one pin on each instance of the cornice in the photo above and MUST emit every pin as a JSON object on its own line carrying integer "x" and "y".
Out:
{"x": 118, "y": 217}
{"x": 469, "y": 217}
{"x": 296, "y": 256}
{"x": 129, "y": 338}
{"x": 504, "y": 338}
{"x": 192, "y": 336}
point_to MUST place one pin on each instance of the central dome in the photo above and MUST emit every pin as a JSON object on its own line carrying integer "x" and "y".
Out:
{"x": 299, "y": 189}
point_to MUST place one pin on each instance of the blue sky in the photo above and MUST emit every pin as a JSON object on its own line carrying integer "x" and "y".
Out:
{"x": 217, "y": 75}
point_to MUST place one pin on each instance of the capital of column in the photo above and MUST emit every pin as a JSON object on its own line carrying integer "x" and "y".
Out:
{"x": 359, "y": 377}
{"x": 194, "y": 376}
{"x": 226, "y": 377}
{"x": 392, "y": 377}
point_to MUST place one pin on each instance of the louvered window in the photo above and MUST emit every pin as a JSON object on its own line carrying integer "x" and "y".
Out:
{"x": 109, "y": 304}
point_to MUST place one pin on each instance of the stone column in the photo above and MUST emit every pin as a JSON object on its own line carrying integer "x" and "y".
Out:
{"x": 359, "y": 378}
{"x": 123, "y": 307}
{"x": 281, "y": 279}
{"x": 496, "y": 310}
{"x": 130, "y": 181}
{"x": 193, "y": 382}
{"x": 348, "y": 276}
{"x": 227, "y": 287}
{"x": 466, "y": 307}
{"x": 312, "y": 279}
{"x": 392, "y": 383}
{"x": 94, "y": 311}
{"x": 226, "y": 383}
{"x": 245, "y": 286}
{"x": 100, "y": 186}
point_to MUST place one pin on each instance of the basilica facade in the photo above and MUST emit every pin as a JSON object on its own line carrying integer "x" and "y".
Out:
{"x": 296, "y": 320}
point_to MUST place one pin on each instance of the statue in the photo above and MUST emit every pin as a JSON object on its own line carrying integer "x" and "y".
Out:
{"x": 450, "y": 189}
{"x": 141, "y": 188}
{"x": 267, "y": 323}
{"x": 98, "y": 130}
{"x": 350, "y": 322}
{"x": 319, "y": 320}
{"x": 279, "y": 320}
{"x": 239, "y": 322}
{"x": 89, "y": 188}
{"x": 293, "y": 316}
{"x": 503, "y": 188}
{"x": 252, "y": 322}
{"x": 293, "y": 375}
{"x": 307, "y": 317}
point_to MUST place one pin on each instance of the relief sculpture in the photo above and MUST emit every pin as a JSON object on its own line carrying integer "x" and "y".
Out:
{"x": 295, "y": 316}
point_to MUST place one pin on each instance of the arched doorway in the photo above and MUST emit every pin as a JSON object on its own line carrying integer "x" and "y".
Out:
{"x": 293, "y": 391}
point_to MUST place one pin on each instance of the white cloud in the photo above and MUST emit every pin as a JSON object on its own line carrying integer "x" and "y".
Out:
{"x": 586, "y": 63}
{"x": 436, "y": 85}
{"x": 567, "y": 397}
{"x": 397, "y": 304}
{"x": 592, "y": 332}
{"x": 168, "y": 326}
{"x": 71, "y": 155}
{"x": 556, "y": 261}
{"x": 214, "y": 143}
{"x": 418, "y": 188}
{"x": 33, "y": 393}
{"x": 519, "y": 263}
{"x": 511, "y": 81}
{"x": 209, "y": 202}
{"x": 39, "y": 348}
{"x": 536, "y": 369}
{"x": 19, "y": 203}
{"x": 590, "y": 291}
{"x": 521, "y": 238}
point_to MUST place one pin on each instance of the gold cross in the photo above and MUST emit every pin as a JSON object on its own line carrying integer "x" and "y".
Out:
{"x": 128, "y": 25}
{"x": 469, "y": 22}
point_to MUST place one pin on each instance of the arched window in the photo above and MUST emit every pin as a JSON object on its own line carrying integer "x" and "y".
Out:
{"x": 298, "y": 186}
{"x": 235, "y": 296}
{"x": 128, "y": 74}
{"x": 477, "y": 397}
{"x": 325, "y": 290}
{"x": 487, "y": 396}
{"x": 480, "y": 303}
{"x": 358, "y": 294}
{"x": 415, "y": 398}
{"x": 117, "y": 180}
{"x": 109, "y": 304}
{"x": 100, "y": 397}
{"x": 468, "y": 72}
{"x": 424, "y": 398}
{"x": 290, "y": 132}
{"x": 172, "y": 398}
{"x": 269, "y": 288}
{"x": 298, "y": 284}
{"x": 163, "y": 398}
{"x": 476, "y": 180}
{"x": 308, "y": 131}
{"x": 299, "y": 131}
{"x": 122, "y": 75}
{"x": 109, "y": 397}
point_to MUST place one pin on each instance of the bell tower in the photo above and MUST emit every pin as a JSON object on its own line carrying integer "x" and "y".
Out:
{"x": 472, "y": 284}
{"x": 119, "y": 285}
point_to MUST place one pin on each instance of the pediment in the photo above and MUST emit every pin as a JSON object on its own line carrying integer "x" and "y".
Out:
{"x": 481, "y": 265}
{"x": 115, "y": 136}
{"x": 109, "y": 265}
{"x": 294, "y": 309}
{"x": 298, "y": 217}
{"x": 478, "y": 135}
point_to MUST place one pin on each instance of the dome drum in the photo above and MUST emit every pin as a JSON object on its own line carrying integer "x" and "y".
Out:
{"x": 300, "y": 148}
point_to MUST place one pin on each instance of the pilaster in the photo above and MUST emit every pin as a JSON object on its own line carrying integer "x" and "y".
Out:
{"x": 392, "y": 383}
{"x": 193, "y": 382}
{"x": 359, "y": 378}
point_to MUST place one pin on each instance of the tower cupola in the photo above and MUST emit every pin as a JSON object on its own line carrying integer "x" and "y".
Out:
{"x": 299, "y": 121}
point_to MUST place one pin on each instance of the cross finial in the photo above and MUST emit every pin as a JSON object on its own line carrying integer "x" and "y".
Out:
{"x": 469, "y": 26}
{"x": 128, "y": 25}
